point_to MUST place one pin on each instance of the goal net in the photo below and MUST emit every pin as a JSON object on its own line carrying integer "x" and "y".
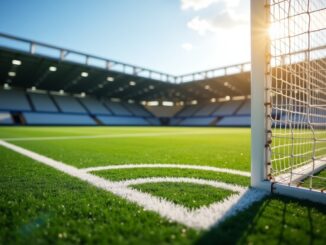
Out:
{"x": 294, "y": 93}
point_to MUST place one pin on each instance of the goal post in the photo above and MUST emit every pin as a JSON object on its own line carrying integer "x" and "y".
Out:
{"x": 288, "y": 97}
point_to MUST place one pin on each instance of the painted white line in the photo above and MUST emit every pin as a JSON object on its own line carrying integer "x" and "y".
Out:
{"x": 202, "y": 218}
{"x": 160, "y": 165}
{"x": 110, "y": 136}
{"x": 216, "y": 184}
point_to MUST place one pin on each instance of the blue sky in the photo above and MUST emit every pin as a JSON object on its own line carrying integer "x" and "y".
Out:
{"x": 173, "y": 36}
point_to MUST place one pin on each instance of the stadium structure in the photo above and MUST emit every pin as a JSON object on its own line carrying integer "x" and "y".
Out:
{"x": 138, "y": 171}
{"x": 48, "y": 85}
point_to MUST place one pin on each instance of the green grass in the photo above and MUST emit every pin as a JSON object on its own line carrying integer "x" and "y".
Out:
{"x": 318, "y": 182}
{"x": 187, "y": 194}
{"x": 227, "y": 148}
{"x": 124, "y": 174}
{"x": 41, "y": 205}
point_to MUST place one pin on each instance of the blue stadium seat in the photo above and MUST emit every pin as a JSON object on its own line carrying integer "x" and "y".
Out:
{"x": 234, "y": 121}
{"x": 5, "y": 118}
{"x": 42, "y": 102}
{"x": 14, "y": 100}
{"x": 68, "y": 103}
{"x": 34, "y": 118}
{"x": 197, "y": 121}
{"x": 119, "y": 120}
{"x": 94, "y": 106}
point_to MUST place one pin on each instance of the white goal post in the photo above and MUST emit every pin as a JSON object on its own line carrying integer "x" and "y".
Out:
{"x": 288, "y": 97}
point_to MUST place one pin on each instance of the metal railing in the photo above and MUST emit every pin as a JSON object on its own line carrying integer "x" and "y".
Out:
{"x": 63, "y": 54}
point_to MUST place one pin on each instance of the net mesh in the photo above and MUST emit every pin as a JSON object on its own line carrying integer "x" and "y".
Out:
{"x": 296, "y": 92}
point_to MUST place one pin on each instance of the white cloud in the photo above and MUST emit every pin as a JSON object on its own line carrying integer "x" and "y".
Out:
{"x": 187, "y": 46}
{"x": 224, "y": 20}
{"x": 202, "y": 4}
{"x": 202, "y": 26}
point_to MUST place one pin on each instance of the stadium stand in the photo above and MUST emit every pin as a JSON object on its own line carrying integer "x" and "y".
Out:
{"x": 68, "y": 103}
{"x": 197, "y": 121}
{"x": 207, "y": 110}
{"x": 164, "y": 111}
{"x": 153, "y": 121}
{"x": 228, "y": 108}
{"x": 101, "y": 96}
{"x": 33, "y": 118}
{"x": 118, "y": 109}
{"x": 13, "y": 100}
{"x": 119, "y": 120}
{"x": 245, "y": 108}
{"x": 188, "y": 111}
{"x": 42, "y": 102}
{"x": 5, "y": 118}
{"x": 94, "y": 106}
{"x": 234, "y": 121}
{"x": 137, "y": 110}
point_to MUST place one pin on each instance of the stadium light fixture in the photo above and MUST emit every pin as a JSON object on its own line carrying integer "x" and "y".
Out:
{"x": 6, "y": 86}
{"x": 152, "y": 103}
{"x": 52, "y": 68}
{"x": 110, "y": 79}
{"x": 227, "y": 97}
{"x": 167, "y": 103}
{"x": 213, "y": 100}
{"x": 12, "y": 74}
{"x": 82, "y": 94}
{"x": 84, "y": 74}
{"x": 132, "y": 83}
{"x": 16, "y": 62}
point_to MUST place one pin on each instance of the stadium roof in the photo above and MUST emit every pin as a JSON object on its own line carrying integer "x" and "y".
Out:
{"x": 27, "y": 64}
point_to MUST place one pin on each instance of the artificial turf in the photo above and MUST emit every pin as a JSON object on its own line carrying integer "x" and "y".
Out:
{"x": 189, "y": 195}
{"x": 124, "y": 174}
{"x": 41, "y": 205}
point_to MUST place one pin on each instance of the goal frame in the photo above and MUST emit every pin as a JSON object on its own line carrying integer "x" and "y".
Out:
{"x": 260, "y": 101}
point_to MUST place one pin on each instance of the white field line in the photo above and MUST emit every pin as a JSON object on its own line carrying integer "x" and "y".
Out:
{"x": 201, "y": 219}
{"x": 159, "y": 165}
{"x": 130, "y": 135}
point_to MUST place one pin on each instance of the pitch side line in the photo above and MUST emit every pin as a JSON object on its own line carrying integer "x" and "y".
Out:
{"x": 108, "y": 136}
{"x": 200, "y": 219}
{"x": 180, "y": 166}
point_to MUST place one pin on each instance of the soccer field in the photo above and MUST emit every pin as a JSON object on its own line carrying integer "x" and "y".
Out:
{"x": 141, "y": 185}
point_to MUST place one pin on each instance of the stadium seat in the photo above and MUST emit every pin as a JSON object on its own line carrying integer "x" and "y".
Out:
{"x": 188, "y": 111}
{"x": 154, "y": 121}
{"x": 68, "y": 103}
{"x": 33, "y": 118}
{"x": 14, "y": 100}
{"x": 94, "y": 106}
{"x": 118, "y": 109}
{"x": 207, "y": 110}
{"x": 5, "y": 118}
{"x": 42, "y": 102}
{"x": 245, "y": 108}
{"x": 119, "y": 120}
{"x": 137, "y": 110}
{"x": 197, "y": 121}
{"x": 234, "y": 121}
{"x": 228, "y": 108}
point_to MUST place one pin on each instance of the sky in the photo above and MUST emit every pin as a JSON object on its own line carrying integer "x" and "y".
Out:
{"x": 172, "y": 36}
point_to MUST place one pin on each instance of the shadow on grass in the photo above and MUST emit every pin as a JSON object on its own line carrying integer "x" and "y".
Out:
{"x": 274, "y": 220}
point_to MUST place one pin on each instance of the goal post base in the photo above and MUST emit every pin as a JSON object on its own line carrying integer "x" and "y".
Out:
{"x": 293, "y": 191}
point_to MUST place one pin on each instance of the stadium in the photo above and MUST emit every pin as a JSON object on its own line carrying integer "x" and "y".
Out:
{"x": 95, "y": 150}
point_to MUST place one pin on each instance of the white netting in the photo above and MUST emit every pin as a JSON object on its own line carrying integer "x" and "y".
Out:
{"x": 296, "y": 98}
